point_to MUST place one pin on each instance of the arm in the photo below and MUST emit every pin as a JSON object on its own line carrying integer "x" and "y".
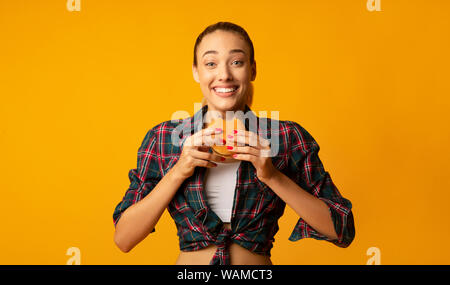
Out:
{"x": 150, "y": 191}
{"x": 314, "y": 211}
{"x": 307, "y": 171}
{"x": 139, "y": 220}
{"x": 306, "y": 187}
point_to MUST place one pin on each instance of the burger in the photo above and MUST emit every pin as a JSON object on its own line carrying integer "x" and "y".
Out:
{"x": 229, "y": 127}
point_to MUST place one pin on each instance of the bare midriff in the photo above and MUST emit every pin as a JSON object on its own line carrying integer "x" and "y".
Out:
{"x": 238, "y": 255}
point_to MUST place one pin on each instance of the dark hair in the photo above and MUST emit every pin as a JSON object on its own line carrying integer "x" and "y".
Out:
{"x": 225, "y": 26}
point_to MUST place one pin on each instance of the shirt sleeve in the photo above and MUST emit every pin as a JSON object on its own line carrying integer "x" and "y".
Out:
{"x": 309, "y": 173}
{"x": 144, "y": 177}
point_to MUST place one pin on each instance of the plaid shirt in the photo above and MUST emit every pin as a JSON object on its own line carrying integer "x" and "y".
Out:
{"x": 256, "y": 208}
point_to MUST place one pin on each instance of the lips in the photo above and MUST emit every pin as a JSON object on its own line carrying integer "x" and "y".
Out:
{"x": 225, "y": 86}
{"x": 225, "y": 90}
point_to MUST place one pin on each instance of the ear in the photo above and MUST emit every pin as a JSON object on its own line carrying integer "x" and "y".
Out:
{"x": 253, "y": 71}
{"x": 195, "y": 73}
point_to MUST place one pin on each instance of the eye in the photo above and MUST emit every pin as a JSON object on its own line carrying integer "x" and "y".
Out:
{"x": 240, "y": 62}
{"x": 207, "y": 64}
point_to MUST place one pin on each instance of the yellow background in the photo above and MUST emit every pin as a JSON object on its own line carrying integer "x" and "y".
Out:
{"x": 79, "y": 91}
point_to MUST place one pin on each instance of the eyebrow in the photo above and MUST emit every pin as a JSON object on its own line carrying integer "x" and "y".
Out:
{"x": 215, "y": 52}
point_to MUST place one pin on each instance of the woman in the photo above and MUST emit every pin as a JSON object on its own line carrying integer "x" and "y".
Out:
{"x": 226, "y": 208}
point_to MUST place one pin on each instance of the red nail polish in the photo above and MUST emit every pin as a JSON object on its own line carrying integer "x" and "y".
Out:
{"x": 222, "y": 158}
{"x": 234, "y": 155}
{"x": 229, "y": 147}
{"x": 224, "y": 141}
{"x": 235, "y": 131}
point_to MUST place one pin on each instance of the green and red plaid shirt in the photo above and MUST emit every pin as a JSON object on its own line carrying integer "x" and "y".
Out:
{"x": 256, "y": 208}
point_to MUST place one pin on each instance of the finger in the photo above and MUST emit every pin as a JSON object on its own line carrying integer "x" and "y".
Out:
{"x": 246, "y": 149}
{"x": 206, "y": 156}
{"x": 209, "y": 131}
{"x": 243, "y": 141}
{"x": 203, "y": 148}
{"x": 253, "y": 151}
{"x": 244, "y": 156}
{"x": 204, "y": 163}
{"x": 198, "y": 139}
{"x": 207, "y": 140}
{"x": 216, "y": 140}
{"x": 246, "y": 138}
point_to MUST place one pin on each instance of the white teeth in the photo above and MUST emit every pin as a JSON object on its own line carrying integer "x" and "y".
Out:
{"x": 225, "y": 90}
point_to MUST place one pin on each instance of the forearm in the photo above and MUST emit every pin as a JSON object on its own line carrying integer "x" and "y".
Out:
{"x": 139, "y": 220}
{"x": 311, "y": 209}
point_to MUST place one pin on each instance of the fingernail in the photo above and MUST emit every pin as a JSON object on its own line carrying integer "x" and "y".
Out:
{"x": 230, "y": 136}
{"x": 224, "y": 141}
{"x": 234, "y": 155}
{"x": 229, "y": 147}
{"x": 218, "y": 129}
{"x": 222, "y": 158}
{"x": 235, "y": 131}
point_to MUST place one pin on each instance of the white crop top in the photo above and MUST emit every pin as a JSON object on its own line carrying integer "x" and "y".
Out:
{"x": 220, "y": 183}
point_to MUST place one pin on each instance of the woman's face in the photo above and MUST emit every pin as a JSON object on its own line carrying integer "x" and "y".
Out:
{"x": 223, "y": 62}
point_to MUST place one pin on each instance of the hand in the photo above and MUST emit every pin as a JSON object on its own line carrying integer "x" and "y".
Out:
{"x": 254, "y": 149}
{"x": 195, "y": 152}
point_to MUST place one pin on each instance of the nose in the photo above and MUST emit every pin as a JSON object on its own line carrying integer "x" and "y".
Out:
{"x": 224, "y": 73}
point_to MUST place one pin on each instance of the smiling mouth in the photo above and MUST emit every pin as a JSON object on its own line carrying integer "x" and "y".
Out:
{"x": 225, "y": 92}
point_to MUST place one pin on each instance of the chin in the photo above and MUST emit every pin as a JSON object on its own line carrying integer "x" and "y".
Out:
{"x": 225, "y": 104}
